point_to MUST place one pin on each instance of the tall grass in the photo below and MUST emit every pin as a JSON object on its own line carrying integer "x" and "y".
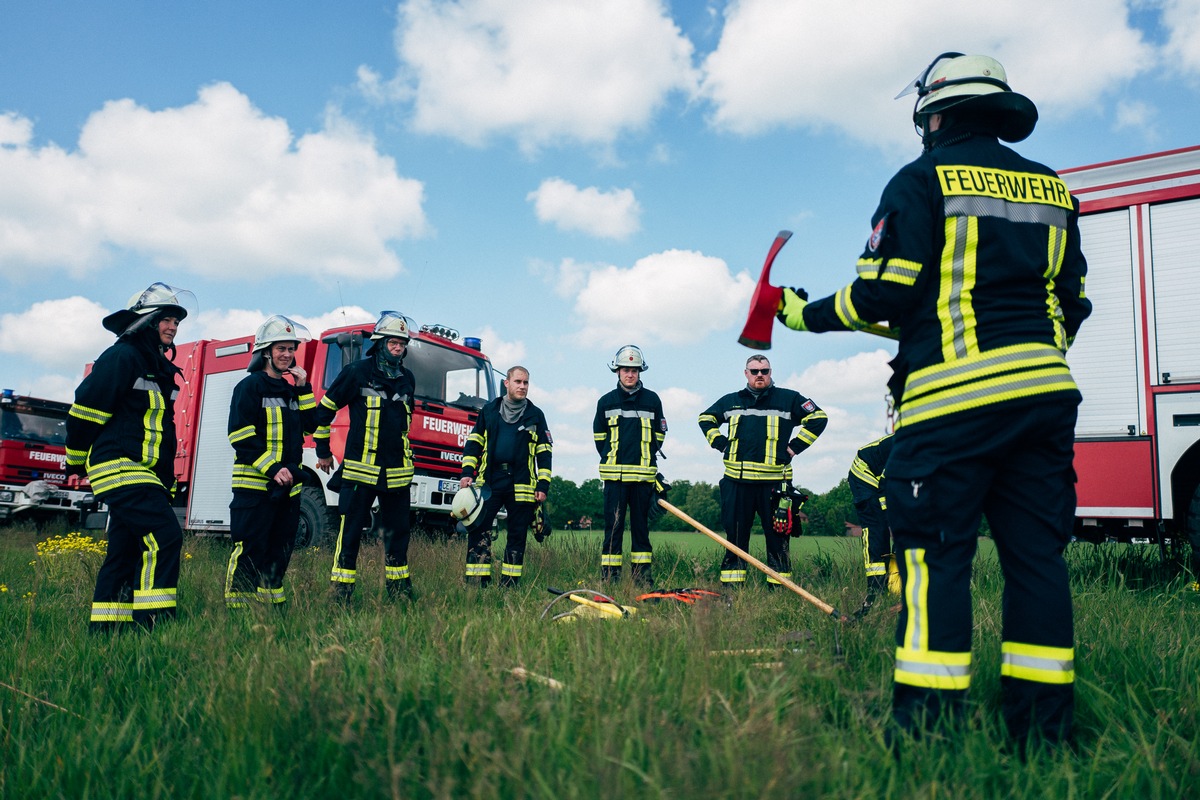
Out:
{"x": 420, "y": 700}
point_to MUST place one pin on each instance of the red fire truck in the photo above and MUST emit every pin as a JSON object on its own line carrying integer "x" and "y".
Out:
{"x": 33, "y": 483}
{"x": 453, "y": 381}
{"x": 1137, "y": 359}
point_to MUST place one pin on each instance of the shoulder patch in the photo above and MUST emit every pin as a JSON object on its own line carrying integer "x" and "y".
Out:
{"x": 809, "y": 406}
{"x": 663, "y": 424}
{"x": 877, "y": 234}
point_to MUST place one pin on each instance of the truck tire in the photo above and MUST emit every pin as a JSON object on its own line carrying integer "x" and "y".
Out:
{"x": 316, "y": 526}
{"x": 1192, "y": 529}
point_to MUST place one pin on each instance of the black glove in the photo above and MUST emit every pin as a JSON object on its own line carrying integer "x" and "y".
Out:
{"x": 541, "y": 528}
{"x": 76, "y": 469}
{"x": 661, "y": 487}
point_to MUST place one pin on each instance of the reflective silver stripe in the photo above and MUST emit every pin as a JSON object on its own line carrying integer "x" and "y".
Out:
{"x": 913, "y": 589}
{"x": 617, "y": 412}
{"x": 955, "y": 372}
{"x": 1040, "y": 664}
{"x": 976, "y": 206}
{"x": 143, "y": 385}
{"x": 1017, "y": 386}
{"x": 280, "y": 402}
{"x": 756, "y": 412}
{"x": 369, "y": 392}
{"x": 924, "y": 668}
{"x": 954, "y": 301}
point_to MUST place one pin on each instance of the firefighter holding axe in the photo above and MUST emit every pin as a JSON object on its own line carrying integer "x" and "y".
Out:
{"x": 767, "y": 426}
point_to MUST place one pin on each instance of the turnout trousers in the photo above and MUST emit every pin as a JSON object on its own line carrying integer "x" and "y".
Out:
{"x": 1013, "y": 464}
{"x": 876, "y": 542}
{"x": 741, "y": 502}
{"x": 263, "y": 530}
{"x": 354, "y": 502}
{"x": 479, "y": 538}
{"x": 636, "y": 497}
{"x": 137, "y": 583}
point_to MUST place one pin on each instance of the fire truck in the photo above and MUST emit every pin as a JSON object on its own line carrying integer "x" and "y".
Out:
{"x": 1137, "y": 358}
{"x": 454, "y": 379}
{"x": 33, "y": 480}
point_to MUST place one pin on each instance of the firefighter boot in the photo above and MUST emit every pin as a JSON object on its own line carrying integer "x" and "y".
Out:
{"x": 342, "y": 592}
{"x": 610, "y": 574}
{"x": 401, "y": 589}
{"x": 876, "y": 585}
{"x": 509, "y": 581}
{"x": 642, "y": 576}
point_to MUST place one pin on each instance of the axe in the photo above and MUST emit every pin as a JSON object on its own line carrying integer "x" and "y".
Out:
{"x": 765, "y": 303}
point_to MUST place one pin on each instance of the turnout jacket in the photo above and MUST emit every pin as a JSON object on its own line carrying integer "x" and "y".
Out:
{"x": 378, "y": 452}
{"x": 760, "y": 431}
{"x": 974, "y": 256}
{"x": 268, "y": 420}
{"x": 867, "y": 472}
{"x": 121, "y": 427}
{"x": 629, "y": 429}
{"x": 534, "y": 447}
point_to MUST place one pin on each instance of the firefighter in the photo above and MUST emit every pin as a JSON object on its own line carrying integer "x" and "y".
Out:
{"x": 121, "y": 432}
{"x": 629, "y": 429}
{"x": 867, "y": 485}
{"x": 767, "y": 426}
{"x": 268, "y": 420}
{"x": 507, "y": 462}
{"x": 974, "y": 257}
{"x": 378, "y": 459}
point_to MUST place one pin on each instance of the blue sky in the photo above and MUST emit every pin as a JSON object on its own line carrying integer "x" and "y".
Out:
{"x": 559, "y": 178}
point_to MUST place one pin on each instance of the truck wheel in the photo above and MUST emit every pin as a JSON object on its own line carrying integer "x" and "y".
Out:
{"x": 1192, "y": 528}
{"x": 316, "y": 520}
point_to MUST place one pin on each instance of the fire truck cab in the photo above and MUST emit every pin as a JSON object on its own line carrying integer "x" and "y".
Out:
{"x": 1137, "y": 358}
{"x": 33, "y": 479}
{"x": 454, "y": 379}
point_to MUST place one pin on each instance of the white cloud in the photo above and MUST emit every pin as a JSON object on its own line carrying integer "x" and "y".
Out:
{"x": 503, "y": 353}
{"x": 539, "y": 70}
{"x": 677, "y": 296}
{"x": 784, "y": 63}
{"x": 215, "y": 188}
{"x": 1182, "y": 50}
{"x": 611, "y": 215}
{"x": 860, "y": 378}
{"x": 63, "y": 334}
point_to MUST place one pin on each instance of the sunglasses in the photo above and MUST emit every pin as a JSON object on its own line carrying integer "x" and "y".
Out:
{"x": 766, "y": 371}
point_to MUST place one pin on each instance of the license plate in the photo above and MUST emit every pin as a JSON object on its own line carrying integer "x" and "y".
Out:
{"x": 447, "y": 486}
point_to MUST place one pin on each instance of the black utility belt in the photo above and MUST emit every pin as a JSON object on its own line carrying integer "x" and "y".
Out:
{"x": 502, "y": 467}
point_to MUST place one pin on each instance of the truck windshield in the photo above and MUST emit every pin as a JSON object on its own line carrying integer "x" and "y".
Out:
{"x": 31, "y": 426}
{"x": 443, "y": 375}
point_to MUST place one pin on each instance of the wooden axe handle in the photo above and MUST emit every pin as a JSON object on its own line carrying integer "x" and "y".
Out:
{"x": 740, "y": 553}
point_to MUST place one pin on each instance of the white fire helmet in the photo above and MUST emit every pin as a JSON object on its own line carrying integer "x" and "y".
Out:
{"x": 279, "y": 329}
{"x": 466, "y": 505}
{"x": 629, "y": 356}
{"x": 143, "y": 306}
{"x": 974, "y": 83}
{"x": 392, "y": 323}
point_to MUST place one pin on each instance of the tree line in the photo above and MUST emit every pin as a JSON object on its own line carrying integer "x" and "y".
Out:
{"x": 581, "y": 507}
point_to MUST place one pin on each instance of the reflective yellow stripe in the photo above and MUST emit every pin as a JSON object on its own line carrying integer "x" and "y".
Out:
{"x": 112, "y": 612}
{"x": 86, "y": 414}
{"x": 901, "y": 271}
{"x": 640, "y": 557}
{"x": 954, "y": 307}
{"x": 511, "y": 570}
{"x": 610, "y": 559}
{"x": 733, "y": 575}
{"x": 860, "y": 470}
{"x": 395, "y": 573}
{"x": 1031, "y": 662}
{"x": 933, "y": 669}
{"x": 916, "y": 597}
{"x": 240, "y": 434}
{"x": 478, "y": 570}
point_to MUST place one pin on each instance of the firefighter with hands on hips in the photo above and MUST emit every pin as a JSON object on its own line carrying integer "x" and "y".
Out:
{"x": 867, "y": 486}
{"x": 378, "y": 461}
{"x": 767, "y": 426}
{"x": 268, "y": 420}
{"x": 121, "y": 432}
{"x": 506, "y": 464}
{"x": 629, "y": 429}
{"x": 974, "y": 258}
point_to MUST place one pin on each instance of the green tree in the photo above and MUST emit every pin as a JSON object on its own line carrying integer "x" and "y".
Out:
{"x": 828, "y": 513}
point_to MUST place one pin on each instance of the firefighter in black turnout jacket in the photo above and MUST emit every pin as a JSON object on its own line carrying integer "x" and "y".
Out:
{"x": 867, "y": 486}
{"x": 378, "y": 459}
{"x": 506, "y": 464}
{"x": 268, "y": 420}
{"x": 629, "y": 429}
{"x": 768, "y": 426}
{"x": 975, "y": 259}
{"x": 121, "y": 431}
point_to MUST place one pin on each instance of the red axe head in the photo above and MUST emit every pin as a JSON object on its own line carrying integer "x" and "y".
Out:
{"x": 764, "y": 303}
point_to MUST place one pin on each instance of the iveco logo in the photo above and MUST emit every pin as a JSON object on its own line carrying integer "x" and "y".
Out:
{"x": 451, "y": 456}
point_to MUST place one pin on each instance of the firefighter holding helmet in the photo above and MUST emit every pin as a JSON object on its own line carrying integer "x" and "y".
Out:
{"x": 629, "y": 429}
{"x": 506, "y": 464}
{"x": 377, "y": 463}
{"x": 767, "y": 426}
{"x": 974, "y": 257}
{"x": 268, "y": 420}
{"x": 121, "y": 432}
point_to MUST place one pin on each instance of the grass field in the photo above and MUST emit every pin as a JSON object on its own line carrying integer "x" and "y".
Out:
{"x": 421, "y": 701}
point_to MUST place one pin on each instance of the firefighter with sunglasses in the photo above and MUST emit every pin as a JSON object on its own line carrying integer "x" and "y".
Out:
{"x": 766, "y": 427}
{"x": 974, "y": 257}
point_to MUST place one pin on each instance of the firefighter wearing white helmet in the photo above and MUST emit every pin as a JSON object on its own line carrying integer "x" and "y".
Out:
{"x": 377, "y": 462}
{"x": 121, "y": 432}
{"x": 269, "y": 416}
{"x": 508, "y": 458}
{"x": 974, "y": 257}
{"x": 629, "y": 430}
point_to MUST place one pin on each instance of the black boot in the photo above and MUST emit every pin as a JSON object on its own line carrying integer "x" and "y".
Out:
{"x": 342, "y": 592}
{"x": 876, "y": 585}
{"x": 401, "y": 589}
{"x": 610, "y": 574}
{"x": 642, "y": 575}
{"x": 509, "y": 581}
